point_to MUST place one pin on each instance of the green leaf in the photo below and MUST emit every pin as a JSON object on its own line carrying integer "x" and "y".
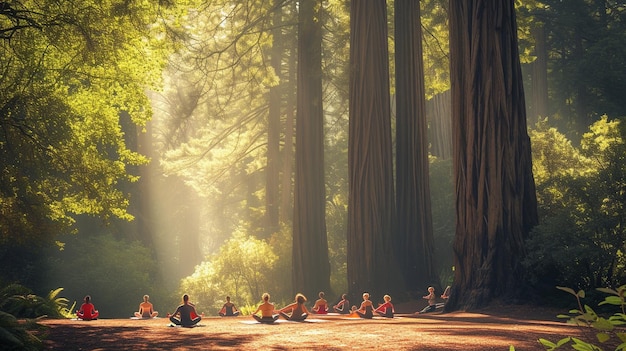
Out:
{"x": 603, "y": 337}
{"x": 566, "y": 289}
{"x": 547, "y": 343}
{"x": 602, "y": 324}
{"x": 612, "y": 300}
{"x": 608, "y": 291}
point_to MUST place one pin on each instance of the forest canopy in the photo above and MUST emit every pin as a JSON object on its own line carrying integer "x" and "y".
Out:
{"x": 167, "y": 132}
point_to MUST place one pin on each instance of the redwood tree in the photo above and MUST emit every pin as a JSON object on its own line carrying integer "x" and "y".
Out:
{"x": 371, "y": 204}
{"x": 496, "y": 204}
{"x": 311, "y": 267}
{"x": 414, "y": 244}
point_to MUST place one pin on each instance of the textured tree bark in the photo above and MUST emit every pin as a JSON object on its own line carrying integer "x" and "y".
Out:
{"x": 414, "y": 241}
{"x": 371, "y": 203}
{"x": 311, "y": 267}
{"x": 272, "y": 170}
{"x": 496, "y": 203}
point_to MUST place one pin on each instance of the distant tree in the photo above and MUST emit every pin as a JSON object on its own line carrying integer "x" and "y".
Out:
{"x": 414, "y": 242}
{"x": 371, "y": 204}
{"x": 496, "y": 204}
{"x": 585, "y": 44}
{"x": 311, "y": 268}
{"x": 68, "y": 72}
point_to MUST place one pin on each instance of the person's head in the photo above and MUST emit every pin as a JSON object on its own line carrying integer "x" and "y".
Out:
{"x": 321, "y": 294}
{"x": 186, "y": 298}
{"x": 344, "y": 296}
{"x": 387, "y": 298}
{"x": 353, "y": 308}
{"x": 300, "y": 298}
{"x": 431, "y": 289}
{"x": 266, "y": 297}
{"x": 146, "y": 298}
{"x": 87, "y": 299}
{"x": 366, "y": 296}
{"x": 228, "y": 298}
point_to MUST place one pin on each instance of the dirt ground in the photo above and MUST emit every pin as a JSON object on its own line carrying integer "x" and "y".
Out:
{"x": 489, "y": 329}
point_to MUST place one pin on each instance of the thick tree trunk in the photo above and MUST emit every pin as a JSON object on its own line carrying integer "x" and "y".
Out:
{"x": 371, "y": 204}
{"x": 414, "y": 243}
{"x": 311, "y": 266}
{"x": 272, "y": 170}
{"x": 286, "y": 207}
{"x": 495, "y": 192}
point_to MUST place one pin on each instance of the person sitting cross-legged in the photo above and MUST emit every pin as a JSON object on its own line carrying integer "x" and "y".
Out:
{"x": 321, "y": 305}
{"x": 185, "y": 314}
{"x": 146, "y": 310}
{"x": 385, "y": 309}
{"x": 266, "y": 308}
{"x": 229, "y": 309}
{"x": 87, "y": 310}
{"x": 297, "y": 308}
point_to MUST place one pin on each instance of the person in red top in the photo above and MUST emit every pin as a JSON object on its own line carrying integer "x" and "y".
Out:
{"x": 87, "y": 310}
{"x": 385, "y": 309}
{"x": 321, "y": 305}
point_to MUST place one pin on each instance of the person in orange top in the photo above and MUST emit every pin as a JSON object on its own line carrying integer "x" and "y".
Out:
{"x": 87, "y": 310}
{"x": 386, "y": 309}
{"x": 146, "y": 310}
{"x": 321, "y": 305}
{"x": 298, "y": 309}
{"x": 267, "y": 311}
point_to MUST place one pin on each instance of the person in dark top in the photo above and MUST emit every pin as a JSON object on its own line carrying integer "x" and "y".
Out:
{"x": 229, "y": 309}
{"x": 185, "y": 315}
{"x": 342, "y": 306}
{"x": 367, "y": 308}
{"x": 298, "y": 310}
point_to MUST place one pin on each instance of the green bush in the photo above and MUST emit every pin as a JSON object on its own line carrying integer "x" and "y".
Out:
{"x": 607, "y": 329}
{"x": 581, "y": 194}
{"x": 17, "y": 301}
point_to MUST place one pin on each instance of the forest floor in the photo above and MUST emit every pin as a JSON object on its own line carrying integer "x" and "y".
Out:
{"x": 494, "y": 328}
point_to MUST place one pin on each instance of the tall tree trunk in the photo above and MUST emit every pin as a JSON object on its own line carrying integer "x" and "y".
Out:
{"x": 539, "y": 76}
{"x": 496, "y": 204}
{"x": 414, "y": 244}
{"x": 286, "y": 207}
{"x": 311, "y": 266}
{"x": 438, "y": 113}
{"x": 272, "y": 170}
{"x": 371, "y": 204}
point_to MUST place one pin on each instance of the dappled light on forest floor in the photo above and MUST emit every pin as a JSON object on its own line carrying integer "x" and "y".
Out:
{"x": 454, "y": 331}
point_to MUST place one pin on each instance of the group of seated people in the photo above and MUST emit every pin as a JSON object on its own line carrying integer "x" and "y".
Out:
{"x": 297, "y": 310}
{"x": 186, "y": 315}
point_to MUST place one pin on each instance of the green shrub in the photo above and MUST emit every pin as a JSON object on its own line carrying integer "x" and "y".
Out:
{"x": 607, "y": 329}
{"x": 17, "y": 301}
